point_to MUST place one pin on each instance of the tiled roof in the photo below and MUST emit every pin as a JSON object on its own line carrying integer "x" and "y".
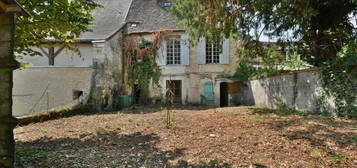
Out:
{"x": 149, "y": 16}
{"x": 107, "y": 20}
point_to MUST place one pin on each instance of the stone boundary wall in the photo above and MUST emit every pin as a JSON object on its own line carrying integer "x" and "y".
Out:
{"x": 300, "y": 90}
{"x": 42, "y": 89}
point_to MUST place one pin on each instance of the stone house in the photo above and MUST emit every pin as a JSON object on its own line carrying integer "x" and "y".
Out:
{"x": 76, "y": 77}
{"x": 194, "y": 70}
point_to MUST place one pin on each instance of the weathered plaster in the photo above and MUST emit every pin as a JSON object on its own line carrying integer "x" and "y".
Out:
{"x": 52, "y": 88}
{"x": 194, "y": 75}
{"x": 65, "y": 59}
{"x": 107, "y": 72}
{"x": 300, "y": 90}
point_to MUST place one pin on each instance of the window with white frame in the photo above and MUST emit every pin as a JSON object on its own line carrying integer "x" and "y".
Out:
{"x": 173, "y": 51}
{"x": 213, "y": 52}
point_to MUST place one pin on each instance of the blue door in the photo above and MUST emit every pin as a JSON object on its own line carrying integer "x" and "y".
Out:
{"x": 208, "y": 91}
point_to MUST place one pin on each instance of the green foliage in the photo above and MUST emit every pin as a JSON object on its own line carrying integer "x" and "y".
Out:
{"x": 338, "y": 158}
{"x": 26, "y": 156}
{"x": 167, "y": 118}
{"x": 247, "y": 71}
{"x": 63, "y": 20}
{"x": 145, "y": 70}
{"x": 280, "y": 111}
{"x": 340, "y": 80}
{"x": 317, "y": 38}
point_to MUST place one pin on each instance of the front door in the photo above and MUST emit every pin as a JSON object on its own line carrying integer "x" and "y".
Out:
{"x": 174, "y": 91}
{"x": 224, "y": 94}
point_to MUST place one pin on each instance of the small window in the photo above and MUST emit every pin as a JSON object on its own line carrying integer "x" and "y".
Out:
{"x": 173, "y": 51}
{"x": 77, "y": 94}
{"x": 213, "y": 52}
{"x": 167, "y": 4}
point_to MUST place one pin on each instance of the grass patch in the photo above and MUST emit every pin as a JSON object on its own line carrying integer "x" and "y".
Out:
{"x": 280, "y": 112}
{"x": 338, "y": 158}
{"x": 130, "y": 118}
{"x": 354, "y": 138}
{"x": 285, "y": 123}
{"x": 26, "y": 156}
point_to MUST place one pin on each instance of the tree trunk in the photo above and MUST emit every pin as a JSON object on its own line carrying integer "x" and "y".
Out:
{"x": 7, "y": 65}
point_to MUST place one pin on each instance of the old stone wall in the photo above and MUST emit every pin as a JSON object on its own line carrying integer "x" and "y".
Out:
{"x": 301, "y": 90}
{"x": 41, "y": 89}
{"x": 107, "y": 76}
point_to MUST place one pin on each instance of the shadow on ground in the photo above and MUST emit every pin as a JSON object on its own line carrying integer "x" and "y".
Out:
{"x": 320, "y": 131}
{"x": 104, "y": 149}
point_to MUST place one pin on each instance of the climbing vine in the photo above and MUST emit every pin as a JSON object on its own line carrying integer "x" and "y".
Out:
{"x": 340, "y": 81}
{"x": 141, "y": 60}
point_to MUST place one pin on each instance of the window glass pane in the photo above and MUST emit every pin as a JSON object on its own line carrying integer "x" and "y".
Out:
{"x": 213, "y": 52}
{"x": 173, "y": 51}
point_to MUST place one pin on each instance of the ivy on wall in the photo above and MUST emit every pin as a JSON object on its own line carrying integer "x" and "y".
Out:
{"x": 272, "y": 60}
{"x": 340, "y": 80}
{"x": 141, "y": 60}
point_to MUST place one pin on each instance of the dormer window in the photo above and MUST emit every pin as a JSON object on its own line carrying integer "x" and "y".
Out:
{"x": 167, "y": 4}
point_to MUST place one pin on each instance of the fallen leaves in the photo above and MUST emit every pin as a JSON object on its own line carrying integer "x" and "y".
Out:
{"x": 227, "y": 137}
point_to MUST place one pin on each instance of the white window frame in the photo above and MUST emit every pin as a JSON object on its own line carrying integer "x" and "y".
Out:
{"x": 173, "y": 51}
{"x": 213, "y": 52}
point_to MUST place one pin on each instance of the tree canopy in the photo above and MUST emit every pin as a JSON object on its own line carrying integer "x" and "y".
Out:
{"x": 318, "y": 28}
{"x": 62, "y": 20}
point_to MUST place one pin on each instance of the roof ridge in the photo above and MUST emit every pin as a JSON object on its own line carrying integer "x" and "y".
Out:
{"x": 127, "y": 13}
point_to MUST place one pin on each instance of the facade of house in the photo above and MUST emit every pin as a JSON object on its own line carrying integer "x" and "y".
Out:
{"x": 191, "y": 71}
{"x": 93, "y": 73}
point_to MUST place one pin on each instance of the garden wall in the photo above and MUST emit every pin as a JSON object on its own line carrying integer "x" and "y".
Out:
{"x": 42, "y": 89}
{"x": 301, "y": 90}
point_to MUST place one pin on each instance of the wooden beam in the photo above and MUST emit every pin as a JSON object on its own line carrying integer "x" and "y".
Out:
{"x": 2, "y": 7}
{"x": 12, "y": 8}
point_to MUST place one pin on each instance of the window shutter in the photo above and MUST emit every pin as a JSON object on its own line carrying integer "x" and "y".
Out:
{"x": 161, "y": 54}
{"x": 185, "y": 50}
{"x": 201, "y": 51}
{"x": 225, "y": 53}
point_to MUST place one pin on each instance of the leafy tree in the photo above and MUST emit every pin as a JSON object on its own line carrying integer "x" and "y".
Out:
{"x": 60, "y": 20}
{"x": 319, "y": 28}
{"x": 320, "y": 31}
{"x": 340, "y": 80}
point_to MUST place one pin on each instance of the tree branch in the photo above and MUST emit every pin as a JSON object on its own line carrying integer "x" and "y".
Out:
{"x": 44, "y": 51}
{"x": 59, "y": 51}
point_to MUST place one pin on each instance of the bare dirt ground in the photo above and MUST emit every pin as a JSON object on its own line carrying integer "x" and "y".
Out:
{"x": 226, "y": 137}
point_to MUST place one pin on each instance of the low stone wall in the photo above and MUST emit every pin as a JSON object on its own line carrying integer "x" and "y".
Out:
{"x": 43, "y": 89}
{"x": 300, "y": 90}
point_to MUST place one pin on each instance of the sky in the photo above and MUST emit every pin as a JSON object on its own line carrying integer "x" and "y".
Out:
{"x": 265, "y": 38}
